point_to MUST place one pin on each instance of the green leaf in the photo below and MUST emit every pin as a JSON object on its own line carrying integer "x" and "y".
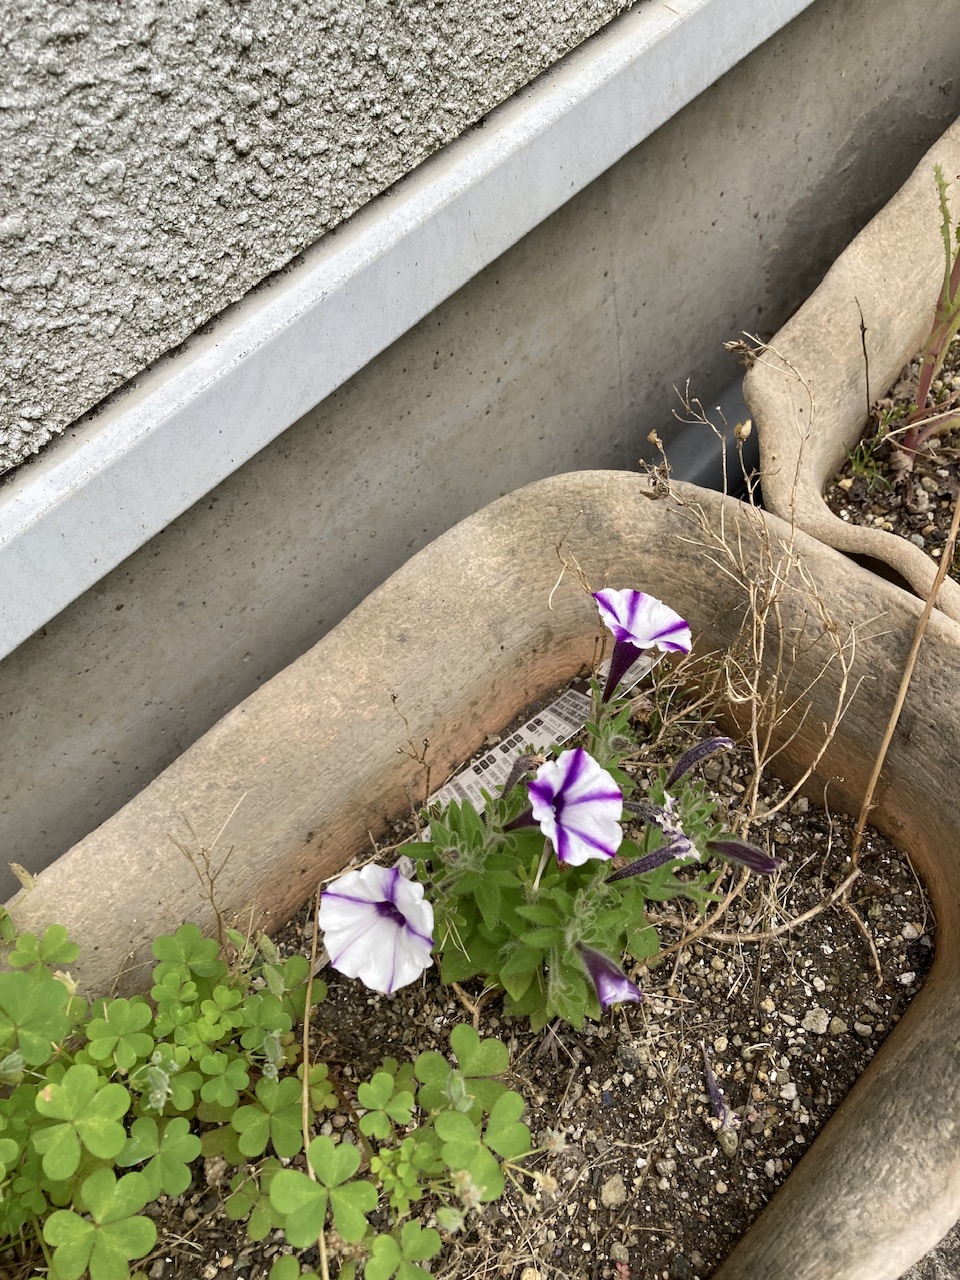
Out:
{"x": 116, "y": 1235}
{"x": 393, "y": 1256}
{"x": 504, "y": 1134}
{"x": 303, "y": 1204}
{"x": 478, "y": 1057}
{"x": 351, "y": 1203}
{"x": 32, "y": 1015}
{"x": 54, "y": 949}
{"x": 189, "y": 948}
{"x": 90, "y": 1111}
{"x": 169, "y": 1147}
{"x": 275, "y": 1117}
{"x": 118, "y": 1033}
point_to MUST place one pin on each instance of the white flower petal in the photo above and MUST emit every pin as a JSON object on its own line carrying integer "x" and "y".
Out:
{"x": 578, "y": 806}
{"x": 377, "y": 927}
{"x": 643, "y": 621}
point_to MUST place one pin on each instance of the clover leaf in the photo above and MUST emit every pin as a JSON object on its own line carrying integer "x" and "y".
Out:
{"x": 304, "y": 1203}
{"x": 116, "y": 1234}
{"x": 89, "y": 1112}
{"x": 32, "y": 1015}
{"x": 118, "y": 1033}
{"x": 399, "y": 1253}
{"x": 169, "y": 1148}
{"x": 276, "y": 1116}
{"x": 384, "y": 1105}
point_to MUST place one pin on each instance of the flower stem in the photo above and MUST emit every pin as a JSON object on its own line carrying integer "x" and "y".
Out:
{"x": 544, "y": 857}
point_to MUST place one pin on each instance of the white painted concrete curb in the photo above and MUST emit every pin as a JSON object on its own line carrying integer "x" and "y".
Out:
{"x": 117, "y": 479}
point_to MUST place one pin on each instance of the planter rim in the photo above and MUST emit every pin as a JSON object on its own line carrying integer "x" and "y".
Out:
{"x": 807, "y": 391}
{"x": 466, "y": 634}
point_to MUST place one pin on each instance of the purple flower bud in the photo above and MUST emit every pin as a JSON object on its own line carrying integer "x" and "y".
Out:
{"x": 722, "y": 1110}
{"x": 746, "y": 854}
{"x": 695, "y": 755}
{"x": 638, "y": 622}
{"x": 578, "y": 806}
{"x": 674, "y": 850}
{"x": 612, "y": 984}
{"x": 377, "y": 927}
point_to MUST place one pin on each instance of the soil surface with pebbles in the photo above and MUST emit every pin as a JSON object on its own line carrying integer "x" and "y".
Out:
{"x": 640, "y": 1184}
{"x": 916, "y": 501}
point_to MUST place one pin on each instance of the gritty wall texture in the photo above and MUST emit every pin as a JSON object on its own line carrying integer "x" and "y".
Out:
{"x": 158, "y": 158}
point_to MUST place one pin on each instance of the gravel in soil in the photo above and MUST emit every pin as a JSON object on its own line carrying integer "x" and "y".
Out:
{"x": 640, "y": 1184}
{"x": 875, "y": 489}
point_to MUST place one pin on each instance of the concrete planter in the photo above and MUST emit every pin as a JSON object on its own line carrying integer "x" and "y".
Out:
{"x": 808, "y": 392}
{"x": 464, "y": 637}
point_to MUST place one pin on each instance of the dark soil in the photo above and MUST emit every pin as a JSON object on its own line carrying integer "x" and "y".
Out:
{"x": 641, "y": 1185}
{"x": 876, "y": 488}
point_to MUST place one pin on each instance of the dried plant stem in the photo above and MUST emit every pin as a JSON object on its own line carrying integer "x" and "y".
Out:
{"x": 875, "y": 955}
{"x": 305, "y": 1092}
{"x": 710, "y": 921}
{"x": 946, "y": 559}
{"x": 768, "y": 935}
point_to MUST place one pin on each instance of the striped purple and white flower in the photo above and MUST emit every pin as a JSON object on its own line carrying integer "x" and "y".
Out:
{"x": 611, "y": 983}
{"x": 578, "y": 806}
{"x": 638, "y": 622}
{"x": 377, "y": 927}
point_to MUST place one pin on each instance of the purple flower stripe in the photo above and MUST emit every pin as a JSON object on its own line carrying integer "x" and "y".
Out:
{"x": 578, "y": 807}
{"x": 695, "y": 755}
{"x": 746, "y": 854}
{"x": 642, "y": 620}
{"x": 376, "y": 927}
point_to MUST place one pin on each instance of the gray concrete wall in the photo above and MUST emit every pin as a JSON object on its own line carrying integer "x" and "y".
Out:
{"x": 562, "y": 354}
{"x": 158, "y": 159}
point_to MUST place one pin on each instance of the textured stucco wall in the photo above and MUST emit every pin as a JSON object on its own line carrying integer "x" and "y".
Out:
{"x": 159, "y": 159}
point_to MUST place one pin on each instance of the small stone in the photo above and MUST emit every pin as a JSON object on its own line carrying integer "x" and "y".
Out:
{"x": 721, "y": 1188}
{"x": 531, "y": 1273}
{"x": 613, "y": 1193}
{"x": 863, "y": 1029}
{"x": 909, "y": 932}
{"x": 907, "y": 979}
{"x": 838, "y": 1027}
{"x": 720, "y": 1044}
{"x": 845, "y": 483}
{"x": 789, "y": 1091}
{"x": 816, "y": 1020}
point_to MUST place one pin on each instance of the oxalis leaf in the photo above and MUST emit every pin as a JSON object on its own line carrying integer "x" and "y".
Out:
{"x": 304, "y": 1203}
{"x": 399, "y": 1253}
{"x": 90, "y": 1111}
{"x": 32, "y": 1015}
{"x": 117, "y": 1233}
{"x": 504, "y": 1133}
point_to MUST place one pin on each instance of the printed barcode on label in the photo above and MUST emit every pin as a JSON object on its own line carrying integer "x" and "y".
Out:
{"x": 556, "y": 723}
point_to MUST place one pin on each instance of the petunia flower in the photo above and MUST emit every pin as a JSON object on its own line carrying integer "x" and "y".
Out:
{"x": 638, "y": 622}
{"x": 377, "y": 927}
{"x": 612, "y": 984}
{"x": 578, "y": 806}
